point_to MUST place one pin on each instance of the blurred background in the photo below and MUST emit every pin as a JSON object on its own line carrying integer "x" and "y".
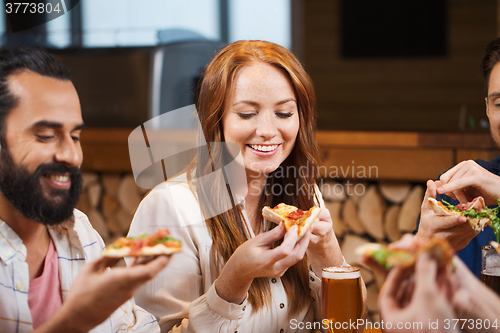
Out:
{"x": 380, "y": 65}
{"x": 399, "y": 89}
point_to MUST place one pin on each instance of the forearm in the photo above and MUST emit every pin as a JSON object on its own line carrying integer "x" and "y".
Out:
{"x": 327, "y": 254}
{"x": 231, "y": 285}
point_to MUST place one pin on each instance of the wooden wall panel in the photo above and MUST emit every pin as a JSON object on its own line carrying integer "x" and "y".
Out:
{"x": 410, "y": 94}
{"x": 386, "y": 164}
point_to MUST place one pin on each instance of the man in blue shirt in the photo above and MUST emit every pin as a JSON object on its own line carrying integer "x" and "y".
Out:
{"x": 469, "y": 179}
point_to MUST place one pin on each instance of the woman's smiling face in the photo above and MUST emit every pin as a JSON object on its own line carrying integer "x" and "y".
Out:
{"x": 261, "y": 117}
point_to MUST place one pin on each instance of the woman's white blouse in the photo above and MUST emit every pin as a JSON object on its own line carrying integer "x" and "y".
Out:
{"x": 183, "y": 296}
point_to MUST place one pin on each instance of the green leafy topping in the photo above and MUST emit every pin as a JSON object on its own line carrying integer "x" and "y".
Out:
{"x": 495, "y": 224}
{"x": 450, "y": 206}
{"x": 389, "y": 258}
{"x": 163, "y": 239}
{"x": 380, "y": 256}
{"x": 486, "y": 212}
{"x": 113, "y": 246}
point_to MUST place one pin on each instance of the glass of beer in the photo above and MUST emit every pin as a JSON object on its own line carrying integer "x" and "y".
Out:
{"x": 342, "y": 302}
{"x": 490, "y": 272}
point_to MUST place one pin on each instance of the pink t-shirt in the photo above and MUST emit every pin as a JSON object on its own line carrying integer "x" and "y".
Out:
{"x": 44, "y": 295}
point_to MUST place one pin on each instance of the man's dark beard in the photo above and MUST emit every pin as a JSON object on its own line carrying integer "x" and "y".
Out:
{"x": 25, "y": 193}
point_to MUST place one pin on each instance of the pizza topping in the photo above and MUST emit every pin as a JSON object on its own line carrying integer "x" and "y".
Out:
{"x": 477, "y": 204}
{"x": 296, "y": 214}
{"x": 135, "y": 245}
{"x": 387, "y": 257}
{"x": 291, "y": 215}
{"x": 477, "y": 209}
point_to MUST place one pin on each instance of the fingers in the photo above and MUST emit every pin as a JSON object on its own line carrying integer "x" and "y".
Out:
{"x": 296, "y": 254}
{"x": 457, "y": 188}
{"x": 448, "y": 175}
{"x": 452, "y": 224}
{"x": 142, "y": 260}
{"x": 271, "y": 236}
{"x": 464, "y": 273}
{"x": 468, "y": 180}
{"x": 457, "y": 179}
{"x": 388, "y": 297}
{"x": 425, "y": 272}
{"x": 287, "y": 246}
{"x": 431, "y": 191}
{"x": 144, "y": 272}
{"x": 290, "y": 238}
{"x": 101, "y": 263}
{"x": 455, "y": 228}
{"x": 324, "y": 215}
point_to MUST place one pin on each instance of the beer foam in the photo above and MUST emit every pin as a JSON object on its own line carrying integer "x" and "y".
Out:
{"x": 341, "y": 273}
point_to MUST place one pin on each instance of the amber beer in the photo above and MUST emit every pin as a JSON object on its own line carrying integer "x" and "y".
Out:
{"x": 342, "y": 302}
{"x": 490, "y": 272}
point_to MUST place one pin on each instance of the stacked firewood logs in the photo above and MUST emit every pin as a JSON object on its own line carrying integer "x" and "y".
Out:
{"x": 376, "y": 212}
{"x": 109, "y": 200}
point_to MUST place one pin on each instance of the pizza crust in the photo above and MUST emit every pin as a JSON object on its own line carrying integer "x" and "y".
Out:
{"x": 271, "y": 215}
{"x": 156, "y": 250}
{"x": 116, "y": 253}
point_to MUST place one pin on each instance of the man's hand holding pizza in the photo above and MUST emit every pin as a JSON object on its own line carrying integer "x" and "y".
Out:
{"x": 454, "y": 229}
{"x": 98, "y": 291}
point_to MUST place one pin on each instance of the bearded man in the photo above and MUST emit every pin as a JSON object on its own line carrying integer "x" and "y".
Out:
{"x": 52, "y": 278}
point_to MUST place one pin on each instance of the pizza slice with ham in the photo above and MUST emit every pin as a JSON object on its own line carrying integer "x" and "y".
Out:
{"x": 291, "y": 215}
{"x": 158, "y": 243}
{"x": 477, "y": 213}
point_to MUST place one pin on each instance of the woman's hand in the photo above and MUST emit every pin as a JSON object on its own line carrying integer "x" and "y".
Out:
{"x": 322, "y": 230}
{"x": 255, "y": 258}
{"x": 324, "y": 250}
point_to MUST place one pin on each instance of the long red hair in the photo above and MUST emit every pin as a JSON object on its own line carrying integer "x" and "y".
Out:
{"x": 229, "y": 230}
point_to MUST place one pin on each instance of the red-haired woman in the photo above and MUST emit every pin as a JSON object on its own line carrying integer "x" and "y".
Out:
{"x": 237, "y": 271}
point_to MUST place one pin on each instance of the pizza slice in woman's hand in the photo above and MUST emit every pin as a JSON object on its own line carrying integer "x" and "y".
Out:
{"x": 291, "y": 215}
{"x": 156, "y": 244}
